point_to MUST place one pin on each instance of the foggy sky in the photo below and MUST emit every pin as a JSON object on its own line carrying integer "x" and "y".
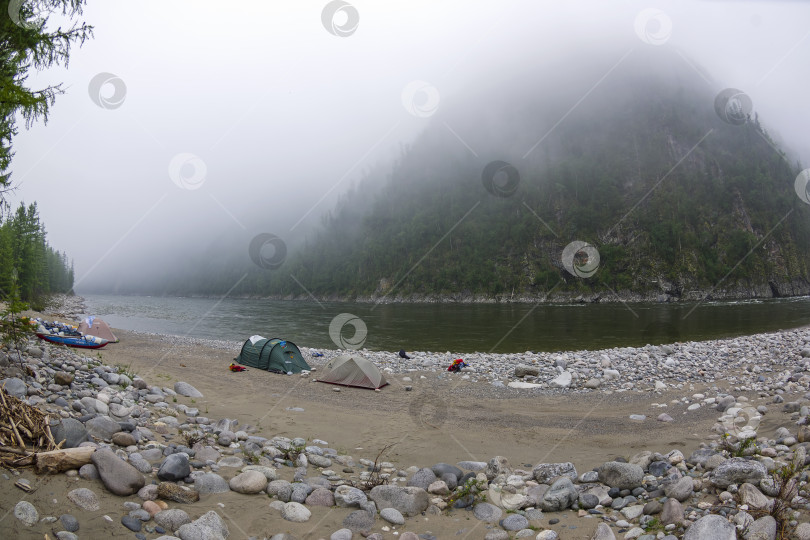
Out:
{"x": 285, "y": 115}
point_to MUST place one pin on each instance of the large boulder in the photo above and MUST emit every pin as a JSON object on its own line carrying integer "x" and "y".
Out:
{"x": 185, "y": 389}
{"x": 737, "y": 471}
{"x": 546, "y": 472}
{"x": 295, "y": 512}
{"x": 85, "y": 499}
{"x": 209, "y": 526}
{"x": 621, "y": 475}
{"x": 603, "y": 532}
{"x": 409, "y": 500}
{"x": 711, "y": 527}
{"x": 522, "y": 370}
{"x": 422, "y": 478}
{"x": 561, "y": 495}
{"x": 487, "y": 512}
{"x": 14, "y": 387}
{"x": 672, "y": 512}
{"x": 496, "y": 466}
{"x": 118, "y": 476}
{"x": 102, "y": 427}
{"x": 172, "y": 519}
{"x": 71, "y": 431}
{"x": 754, "y": 498}
{"x": 680, "y": 489}
{"x": 248, "y": 482}
{"x": 211, "y": 483}
{"x": 441, "y": 469}
{"x": 762, "y": 529}
{"x": 348, "y": 496}
{"x": 174, "y": 467}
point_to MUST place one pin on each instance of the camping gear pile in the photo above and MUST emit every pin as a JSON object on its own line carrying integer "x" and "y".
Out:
{"x": 276, "y": 355}
{"x": 456, "y": 366}
{"x": 234, "y": 367}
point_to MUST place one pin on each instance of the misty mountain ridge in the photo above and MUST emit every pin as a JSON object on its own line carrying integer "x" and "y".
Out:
{"x": 627, "y": 155}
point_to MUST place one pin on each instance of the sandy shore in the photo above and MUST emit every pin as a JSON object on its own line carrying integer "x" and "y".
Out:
{"x": 443, "y": 419}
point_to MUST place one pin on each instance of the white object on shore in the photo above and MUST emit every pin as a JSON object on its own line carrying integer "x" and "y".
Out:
{"x": 523, "y": 385}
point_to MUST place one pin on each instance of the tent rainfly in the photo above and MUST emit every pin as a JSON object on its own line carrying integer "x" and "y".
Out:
{"x": 347, "y": 370}
{"x": 93, "y": 326}
{"x": 274, "y": 355}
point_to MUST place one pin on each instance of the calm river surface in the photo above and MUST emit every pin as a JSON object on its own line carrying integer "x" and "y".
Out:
{"x": 501, "y": 328}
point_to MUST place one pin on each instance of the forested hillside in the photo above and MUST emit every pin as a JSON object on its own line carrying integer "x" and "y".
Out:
{"x": 28, "y": 262}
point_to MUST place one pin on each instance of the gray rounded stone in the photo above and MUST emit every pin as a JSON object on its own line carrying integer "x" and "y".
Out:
{"x": 69, "y": 522}
{"x": 514, "y": 522}
{"x": 711, "y": 527}
{"x": 211, "y": 483}
{"x": 84, "y": 499}
{"x": 621, "y": 475}
{"x": 359, "y": 521}
{"x": 118, "y": 476}
{"x": 342, "y": 534}
{"x": 296, "y": 512}
{"x": 422, "y": 478}
{"x": 487, "y": 512}
{"x": 347, "y": 496}
{"x": 737, "y": 471}
{"x": 185, "y": 389}
{"x": 410, "y": 501}
{"x": 172, "y": 519}
{"x": 71, "y": 431}
{"x": 15, "y": 387}
{"x": 392, "y": 516}
{"x": 26, "y": 513}
{"x": 174, "y": 467}
{"x": 88, "y": 472}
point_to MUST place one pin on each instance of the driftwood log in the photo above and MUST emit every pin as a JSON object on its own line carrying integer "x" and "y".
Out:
{"x": 62, "y": 460}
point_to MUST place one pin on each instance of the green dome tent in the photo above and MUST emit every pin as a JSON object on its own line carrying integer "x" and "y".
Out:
{"x": 274, "y": 355}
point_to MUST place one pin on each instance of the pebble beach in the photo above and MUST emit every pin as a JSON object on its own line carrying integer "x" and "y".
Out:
{"x": 686, "y": 440}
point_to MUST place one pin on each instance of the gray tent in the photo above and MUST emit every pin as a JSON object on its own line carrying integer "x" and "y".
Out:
{"x": 347, "y": 370}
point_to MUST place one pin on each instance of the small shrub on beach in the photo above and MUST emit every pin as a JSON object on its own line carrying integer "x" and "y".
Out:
{"x": 374, "y": 479}
{"x": 192, "y": 437}
{"x": 742, "y": 448}
{"x": 473, "y": 489}
{"x": 786, "y": 480}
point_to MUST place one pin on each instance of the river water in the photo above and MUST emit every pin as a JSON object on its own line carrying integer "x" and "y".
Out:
{"x": 463, "y": 328}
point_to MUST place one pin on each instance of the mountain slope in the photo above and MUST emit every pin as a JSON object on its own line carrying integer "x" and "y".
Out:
{"x": 643, "y": 169}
